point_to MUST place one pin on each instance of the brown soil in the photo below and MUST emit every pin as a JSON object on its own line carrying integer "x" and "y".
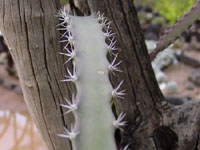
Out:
{"x": 17, "y": 130}
{"x": 179, "y": 73}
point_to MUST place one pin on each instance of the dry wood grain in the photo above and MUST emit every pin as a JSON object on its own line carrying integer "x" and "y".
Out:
{"x": 29, "y": 27}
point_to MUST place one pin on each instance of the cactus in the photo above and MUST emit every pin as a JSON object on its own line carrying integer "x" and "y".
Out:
{"x": 176, "y": 30}
{"x": 88, "y": 41}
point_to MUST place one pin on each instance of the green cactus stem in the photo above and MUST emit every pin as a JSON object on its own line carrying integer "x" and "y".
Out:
{"x": 86, "y": 48}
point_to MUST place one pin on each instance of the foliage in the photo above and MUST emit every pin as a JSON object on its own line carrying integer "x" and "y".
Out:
{"x": 173, "y": 9}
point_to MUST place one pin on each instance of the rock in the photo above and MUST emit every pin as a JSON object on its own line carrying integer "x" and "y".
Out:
{"x": 171, "y": 87}
{"x": 195, "y": 76}
{"x": 148, "y": 9}
{"x": 162, "y": 86}
{"x": 142, "y": 16}
{"x": 187, "y": 60}
{"x": 18, "y": 90}
{"x": 192, "y": 32}
{"x": 156, "y": 14}
{"x": 151, "y": 45}
{"x": 174, "y": 100}
{"x": 178, "y": 100}
{"x": 138, "y": 7}
{"x": 3, "y": 57}
{"x": 197, "y": 37}
{"x": 187, "y": 36}
{"x": 158, "y": 20}
{"x": 151, "y": 36}
{"x": 9, "y": 85}
{"x": 190, "y": 86}
{"x": 153, "y": 29}
{"x": 164, "y": 58}
{"x": 178, "y": 44}
{"x": 161, "y": 77}
{"x": 149, "y": 16}
{"x": 187, "y": 99}
{"x": 11, "y": 71}
{"x": 195, "y": 43}
{"x": 155, "y": 68}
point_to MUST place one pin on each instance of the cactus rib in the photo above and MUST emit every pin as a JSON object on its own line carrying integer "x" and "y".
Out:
{"x": 87, "y": 42}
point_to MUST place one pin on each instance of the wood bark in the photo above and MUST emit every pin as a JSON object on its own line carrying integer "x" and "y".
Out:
{"x": 29, "y": 27}
{"x": 144, "y": 97}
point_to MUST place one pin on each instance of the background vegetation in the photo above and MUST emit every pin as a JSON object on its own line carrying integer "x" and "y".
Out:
{"x": 169, "y": 9}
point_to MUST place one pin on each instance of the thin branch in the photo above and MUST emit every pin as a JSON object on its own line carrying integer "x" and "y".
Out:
{"x": 175, "y": 31}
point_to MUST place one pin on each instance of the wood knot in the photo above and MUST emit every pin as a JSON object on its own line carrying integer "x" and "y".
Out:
{"x": 165, "y": 138}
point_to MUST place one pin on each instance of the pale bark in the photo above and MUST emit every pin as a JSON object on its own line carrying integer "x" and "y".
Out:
{"x": 29, "y": 27}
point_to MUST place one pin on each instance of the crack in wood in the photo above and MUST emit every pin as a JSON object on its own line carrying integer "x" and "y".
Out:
{"x": 34, "y": 75}
{"x": 19, "y": 11}
{"x": 3, "y": 12}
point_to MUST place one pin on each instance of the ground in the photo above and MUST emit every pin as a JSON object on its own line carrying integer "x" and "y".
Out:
{"x": 179, "y": 73}
{"x": 17, "y": 130}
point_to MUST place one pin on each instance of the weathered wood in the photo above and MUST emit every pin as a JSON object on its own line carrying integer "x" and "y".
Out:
{"x": 144, "y": 97}
{"x": 29, "y": 27}
{"x": 184, "y": 120}
{"x": 33, "y": 42}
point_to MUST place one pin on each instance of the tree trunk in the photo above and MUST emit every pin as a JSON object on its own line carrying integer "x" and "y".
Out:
{"x": 153, "y": 123}
{"x": 29, "y": 27}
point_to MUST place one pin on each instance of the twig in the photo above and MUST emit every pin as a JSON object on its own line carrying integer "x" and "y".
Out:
{"x": 175, "y": 31}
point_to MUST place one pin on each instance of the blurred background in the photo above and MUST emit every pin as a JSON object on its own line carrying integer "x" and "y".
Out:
{"x": 177, "y": 70}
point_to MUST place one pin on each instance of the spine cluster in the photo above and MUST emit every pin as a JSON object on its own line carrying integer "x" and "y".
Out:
{"x": 69, "y": 28}
{"x": 69, "y": 51}
{"x": 112, "y": 51}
